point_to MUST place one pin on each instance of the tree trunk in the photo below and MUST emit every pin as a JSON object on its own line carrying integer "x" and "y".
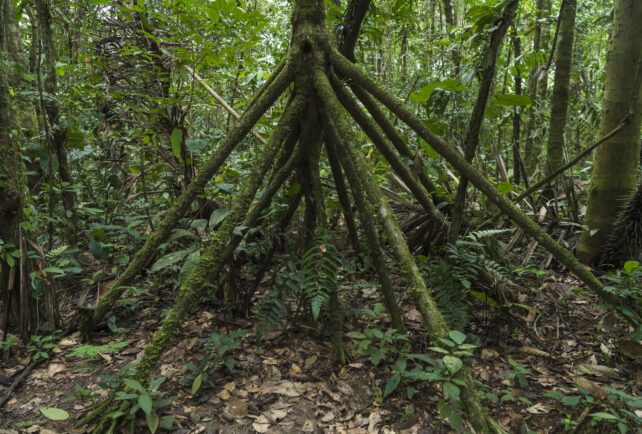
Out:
{"x": 560, "y": 97}
{"x": 616, "y": 162}
{"x": 52, "y": 109}
{"x": 537, "y": 87}
{"x": 17, "y": 305}
{"x": 477, "y": 117}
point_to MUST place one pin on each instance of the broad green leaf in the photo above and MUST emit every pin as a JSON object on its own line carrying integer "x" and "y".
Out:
{"x": 196, "y": 145}
{"x": 600, "y": 415}
{"x": 152, "y": 421}
{"x": 170, "y": 259}
{"x": 177, "y": 140}
{"x": 145, "y": 402}
{"x": 392, "y": 385}
{"x": 196, "y": 385}
{"x": 422, "y": 95}
{"x": 630, "y": 266}
{"x": 457, "y": 336}
{"x": 511, "y": 100}
{"x": 53, "y": 413}
{"x": 134, "y": 385}
{"x": 452, "y": 390}
{"x": 505, "y": 187}
{"x": 218, "y": 216}
{"x": 453, "y": 364}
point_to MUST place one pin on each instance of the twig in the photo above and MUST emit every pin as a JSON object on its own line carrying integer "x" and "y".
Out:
{"x": 18, "y": 380}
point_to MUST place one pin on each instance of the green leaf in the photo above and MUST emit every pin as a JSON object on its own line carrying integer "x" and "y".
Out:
{"x": 355, "y": 335}
{"x": 571, "y": 401}
{"x": 511, "y": 100}
{"x": 196, "y": 385}
{"x": 152, "y": 421}
{"x": 53, "y": 413}
{"x": 600, "y": 415}
{"x": 218, "y": 215}
{"x": 422, "y": 95}
{"x": 392, "y": 385}
{"x": 196, "y": 145}
{"x": 177, "y": 140}
{"x": 452, "y": 390}
{"x": 453, "y": 364}
{"x": 505, "y": 187}
{"x": 630, "y": 266}
{"x": 170, "y": 259}
{"x": 134, "y": 385}
{"x": 457, "y": 336}
{"x": 145, "y": 402}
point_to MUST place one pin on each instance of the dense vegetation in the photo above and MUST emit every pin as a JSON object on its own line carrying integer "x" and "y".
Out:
{"x": 262, "y": 162}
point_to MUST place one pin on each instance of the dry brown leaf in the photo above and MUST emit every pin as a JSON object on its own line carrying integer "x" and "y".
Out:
{"x": 538, "y": 408}
{"x": 237, "y": 408}
{"x": 593, "y": 388}
{"x": 488, "y": 354}
{"x": 55, "y": 368}
{"x": 536, "y": 352}
{"x": 309, "y": 426}
{"x": 373, "y": 421}
{"x": 309, "y": 362}
{"x": 631, "y": 349}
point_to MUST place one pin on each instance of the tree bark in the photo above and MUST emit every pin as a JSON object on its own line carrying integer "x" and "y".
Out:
{"x": 616, "y": 162}
{"x": 52, "y": 109}
{"x": 560, "y": 97}
{"x": 537, "y": 87}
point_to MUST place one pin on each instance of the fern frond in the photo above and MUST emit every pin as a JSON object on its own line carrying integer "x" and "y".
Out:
{"x": 319, "y": 269}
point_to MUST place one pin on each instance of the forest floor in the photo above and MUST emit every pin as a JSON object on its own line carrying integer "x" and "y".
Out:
{"x": 552, "y": 340}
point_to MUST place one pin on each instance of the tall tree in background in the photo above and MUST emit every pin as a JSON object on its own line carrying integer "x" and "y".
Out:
{"x": 537, "y": 87}
{"x": 487, "y": 74}
{"x": 560, "y": 97}
{"x": 616, "y": 162}
{"x": 56, "y": 132}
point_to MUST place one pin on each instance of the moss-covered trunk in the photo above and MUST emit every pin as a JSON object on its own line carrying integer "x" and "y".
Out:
{"x": 616, "y": 162}
{"x": 18, "y": 305}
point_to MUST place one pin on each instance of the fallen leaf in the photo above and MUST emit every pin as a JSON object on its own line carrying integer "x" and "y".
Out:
{"x": 538, "y": 408}
{"x": 594, "y": 389}
{"x": 308, "y": 426}
{"x": 373, "y": 420}
{"x": 631, "y": 349}
{"x": 55, "y": 368}
{"x": 237, "y": 408}
{"x": 328, "y": 417}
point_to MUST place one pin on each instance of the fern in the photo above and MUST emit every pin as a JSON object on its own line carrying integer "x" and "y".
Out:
{"x": 314, "y": 281}
{"x": 272, "y": 308}
{"x": 319, "y": 269}
{"x": 463, "y": 262}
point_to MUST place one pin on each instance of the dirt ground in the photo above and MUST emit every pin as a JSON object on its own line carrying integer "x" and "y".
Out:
{"x": 288, "y": 382}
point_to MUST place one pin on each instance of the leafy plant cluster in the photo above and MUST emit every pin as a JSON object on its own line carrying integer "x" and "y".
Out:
{"x": 612, "y": 407}
{"x": 451, "y": 275}
{"x": 219, "y": 353}
{"x": 411, "y": 369}
{"x": 312, "y": 281}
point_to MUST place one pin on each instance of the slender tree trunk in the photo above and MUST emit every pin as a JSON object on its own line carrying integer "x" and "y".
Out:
{"x": 517, "y": 121}
{"x": 537, "y": 88}
{"x": 52, "y": 109}
{"x": 477, "y": 117}
{"x": 560, "y": 97}
{"x": 616, "y": 162}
